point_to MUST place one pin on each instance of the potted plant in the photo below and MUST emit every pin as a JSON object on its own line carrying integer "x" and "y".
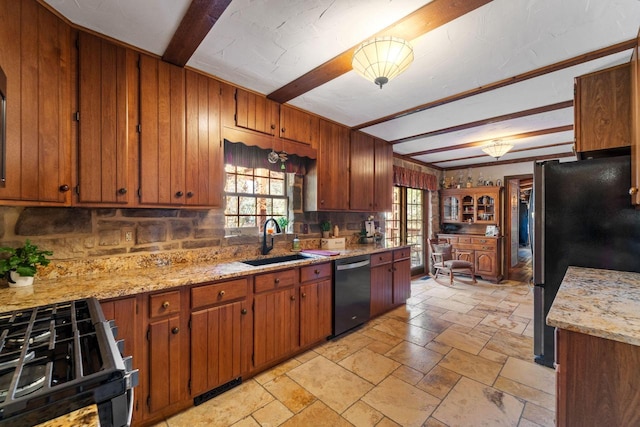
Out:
{"x": 325, "y": 226}
{"x": 19, "y": 264}
{"x": 283, "y": 223}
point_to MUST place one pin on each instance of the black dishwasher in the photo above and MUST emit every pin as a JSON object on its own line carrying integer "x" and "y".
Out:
{"x": 351, "y": 293}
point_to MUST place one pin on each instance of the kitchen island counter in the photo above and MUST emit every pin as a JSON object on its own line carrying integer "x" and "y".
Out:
{"x": 113, "y": 283}
{"x": 600, "y": 303}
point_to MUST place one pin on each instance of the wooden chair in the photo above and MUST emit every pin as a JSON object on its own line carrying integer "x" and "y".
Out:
{"x": 444, "y": 262}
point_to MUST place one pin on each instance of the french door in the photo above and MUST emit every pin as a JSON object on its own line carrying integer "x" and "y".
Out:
{"x": 405, "y": 224}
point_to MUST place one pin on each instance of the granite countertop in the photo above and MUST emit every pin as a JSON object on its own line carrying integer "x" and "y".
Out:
{"x": 601, "y": 303}
{"x": 83, "y": 417}
{"x": 106, "y": 285}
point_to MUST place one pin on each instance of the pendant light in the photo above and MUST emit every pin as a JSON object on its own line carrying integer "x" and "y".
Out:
{"x": 497, "y": 148}
{"x": 382, "y": 58}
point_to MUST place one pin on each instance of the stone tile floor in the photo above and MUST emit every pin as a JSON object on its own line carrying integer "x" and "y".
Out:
{"x": 453, "y": 356}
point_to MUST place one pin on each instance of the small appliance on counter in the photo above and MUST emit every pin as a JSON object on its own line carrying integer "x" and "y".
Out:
{"x": 58, "y": 358}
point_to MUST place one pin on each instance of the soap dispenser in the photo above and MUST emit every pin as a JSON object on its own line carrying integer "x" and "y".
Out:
{"x": 296, "y": 244}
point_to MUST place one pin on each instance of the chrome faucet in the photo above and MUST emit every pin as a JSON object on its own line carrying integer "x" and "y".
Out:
{"x": 265, "y": 248}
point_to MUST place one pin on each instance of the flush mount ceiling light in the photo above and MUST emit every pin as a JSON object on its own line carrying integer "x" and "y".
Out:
{"x": 382, "y": 58}
{"x": 497, "y": 148}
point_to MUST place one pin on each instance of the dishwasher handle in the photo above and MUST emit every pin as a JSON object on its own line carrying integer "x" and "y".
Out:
{"x": 352, "y": 265}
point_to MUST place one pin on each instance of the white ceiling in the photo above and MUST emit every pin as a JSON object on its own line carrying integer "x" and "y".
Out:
{"x": 264, "y": 44}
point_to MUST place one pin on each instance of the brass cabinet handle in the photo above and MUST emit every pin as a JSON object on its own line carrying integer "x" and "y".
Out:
{"x": 390, "y": 270}
{"x": 633, "y": 190}
{"x": 175, "y": 330}
{"x": 165, "y": 304}
{"x": 304, "y": 294}
{"x": 122, "y": 190}
{"x": 277, "y": 280}
{"x": 293, "y": 298}
{"x": 179, "y": 194}
{"x": 283, "y": 130}
{"x": 221, "y": 293}
{"x": 190, "y": 194}
{"x": 64, "y": 188}
{"x": 316, "y": 271}
{"x": 243, "y": 311}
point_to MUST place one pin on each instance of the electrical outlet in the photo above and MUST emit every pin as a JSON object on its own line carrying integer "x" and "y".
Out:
{"x": 128, "y": 235}
{"x": 305, "y": 228}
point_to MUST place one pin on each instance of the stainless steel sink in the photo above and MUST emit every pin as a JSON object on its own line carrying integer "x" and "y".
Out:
{"x": 274, "y": 260}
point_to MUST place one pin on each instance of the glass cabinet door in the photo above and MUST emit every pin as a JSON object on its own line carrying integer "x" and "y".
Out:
{"x": 450, "y": 209}
{"x": 486, "y": 212}
{"x": 468, "y": 209}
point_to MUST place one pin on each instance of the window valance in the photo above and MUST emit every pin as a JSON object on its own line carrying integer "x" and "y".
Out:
{"x": 239, "y": 154}
{"x": 404, "y": 177}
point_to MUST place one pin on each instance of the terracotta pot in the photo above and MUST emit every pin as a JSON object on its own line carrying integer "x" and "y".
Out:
{"x": 326, "y": 234}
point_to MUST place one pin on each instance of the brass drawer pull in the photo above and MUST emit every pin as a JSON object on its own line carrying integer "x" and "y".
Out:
{"x": 165, "y": 304}
{"x": 316, "y": 271}
{"x": 221, "y": 293}
{"x": 277, "y": 281}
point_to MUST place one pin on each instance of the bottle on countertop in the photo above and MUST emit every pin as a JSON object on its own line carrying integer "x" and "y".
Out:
{"x": 296, "y": 243}
{"x": 336, "y": 231}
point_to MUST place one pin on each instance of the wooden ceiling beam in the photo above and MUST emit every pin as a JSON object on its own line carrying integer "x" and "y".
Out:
{"x": 508, "y": 162}
{"x": 482, "y": 142}
{"x": 576, "y": 60}
{"x": 496, "y": 119}
{"x": 423, "y": 20}
{"x": 194, "y": 27}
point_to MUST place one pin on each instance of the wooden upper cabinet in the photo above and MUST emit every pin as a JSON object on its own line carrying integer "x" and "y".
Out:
{"x": 35, "y": 50}
{"x": 325, "y": 180}
{"x": 162, "y": 137}
{"x": 362, "y": 182}
{"x": 634, "y": 190}
{"x": 108, "y": 115}
{"x": 603, "y": 109}
{"x": 256, "y": 112}
{"x": 204, "y": 149}
{"x": 383, "y": 175}
{"x": 298, "y": 125}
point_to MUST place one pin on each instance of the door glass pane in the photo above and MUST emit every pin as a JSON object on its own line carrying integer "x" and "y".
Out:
{"x": 392, "y": 220}
{"x": 415, "y": 234}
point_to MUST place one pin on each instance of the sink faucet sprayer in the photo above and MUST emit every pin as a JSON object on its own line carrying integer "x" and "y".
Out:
{"x": 265, "y": 248}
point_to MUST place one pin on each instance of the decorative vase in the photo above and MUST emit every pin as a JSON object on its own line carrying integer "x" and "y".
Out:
{"x": 18, "y": 281}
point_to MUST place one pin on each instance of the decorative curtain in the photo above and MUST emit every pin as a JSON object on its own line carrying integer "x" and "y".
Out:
{"x": 414, "y": 179}
{"x": 238, "y": 154}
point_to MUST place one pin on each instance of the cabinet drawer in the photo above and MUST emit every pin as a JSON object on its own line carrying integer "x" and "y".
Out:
{"x": 164, "y": 303}
{"x": 202, "y": 296}
{"x": 484, "y": 242}
{"x": 464, "y": 239}
{"x": 314, "y": 272}
{"x": 381, "y": 258}
{"x": 401, "y": 253}
{"x": 279, "y": 279}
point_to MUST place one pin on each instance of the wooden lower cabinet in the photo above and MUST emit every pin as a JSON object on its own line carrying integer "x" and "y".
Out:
{"x": 390, "y": 280}
{"x": 275, "y": 326}
{"x": 484, "y": 252}
{"x": 596, "y": 381}
{"x": 381, "y": 288}
{"x": 315, "y": 312}
{"x": 401, "y": 281}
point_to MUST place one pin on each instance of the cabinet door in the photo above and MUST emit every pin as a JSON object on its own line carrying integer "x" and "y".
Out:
{"x": 256, "y": 112}
{"x": 401, "y": 281}
{"x": 167, "y": 385}
{"x": 451, "y": 208}
{"x": 486, "y": 263}
{"x": 162, "y": 137}
{"x": 297, "y": 125}
{"x": 107, "y": 76}
{"x": 468, "y": 208}
{"x": 381, "y": 289}
{"x": 603, "y": 109}
{"x": 333, "y": 167}
{"x": 217, "y": 351}
{"x": 35, "y": 49}
{"x": 361, "y": 172}
{"x": 465, "y": 255}
{"x": 204, "y": 150}
{"x": 634, "y": 191}
{"x": 383, "y": 170}
{"x": 123, "y": 312}
{"x": 315, "y": 312}
{"x": 275, "y": 325}
{"x": 486, "y": 210}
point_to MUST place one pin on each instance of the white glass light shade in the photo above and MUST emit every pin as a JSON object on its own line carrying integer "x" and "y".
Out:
{"x": 497, "y": 148}
{"x": 381, "y": 59}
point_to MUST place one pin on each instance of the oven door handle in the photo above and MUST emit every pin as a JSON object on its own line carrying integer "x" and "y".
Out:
{"x": 131, "y": 399}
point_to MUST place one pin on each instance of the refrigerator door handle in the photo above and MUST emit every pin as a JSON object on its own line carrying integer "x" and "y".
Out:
{"x": 539, "y": 224}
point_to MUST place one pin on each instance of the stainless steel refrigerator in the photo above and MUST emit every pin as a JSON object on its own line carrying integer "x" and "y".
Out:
{"x": 582, "y": 216}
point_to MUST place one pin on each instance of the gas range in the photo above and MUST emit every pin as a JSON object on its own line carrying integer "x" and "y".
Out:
{"x": 57, "y": 358}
